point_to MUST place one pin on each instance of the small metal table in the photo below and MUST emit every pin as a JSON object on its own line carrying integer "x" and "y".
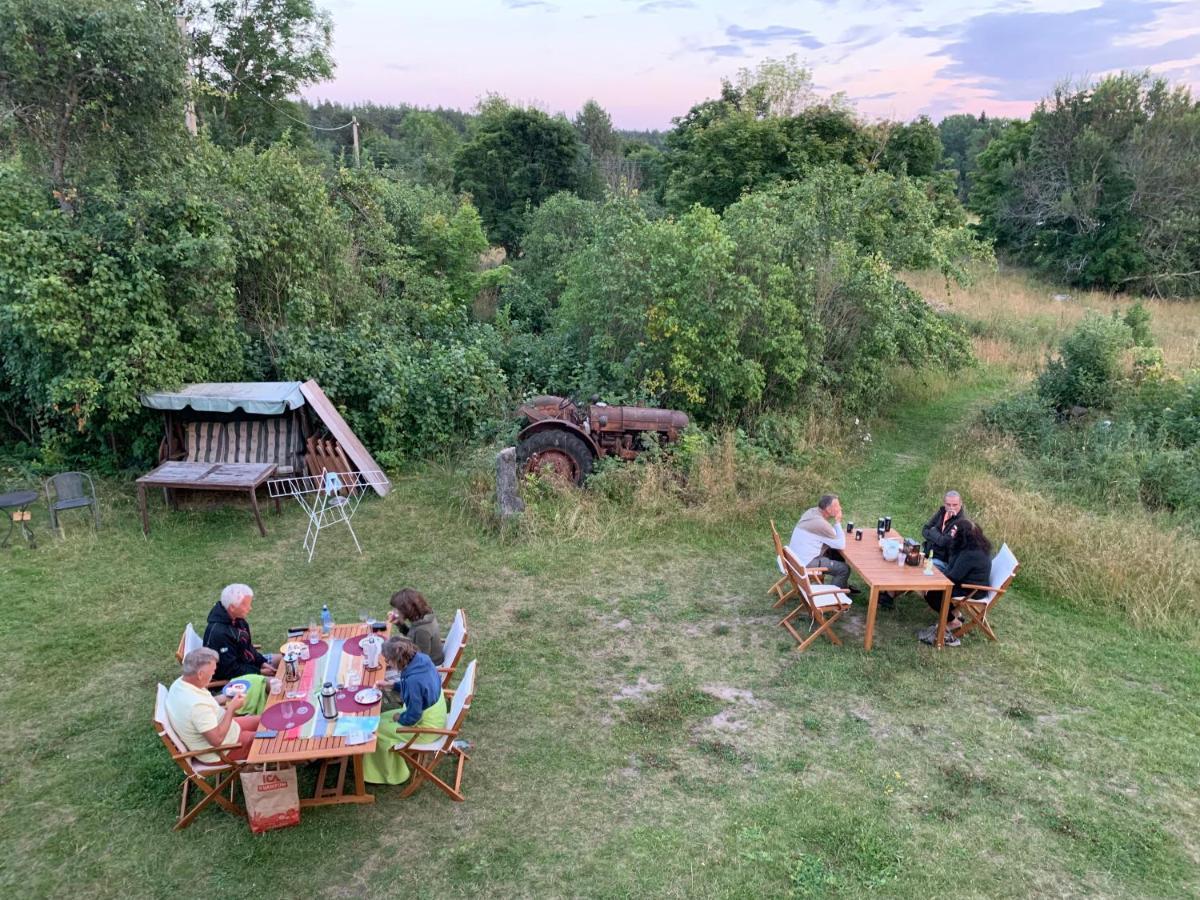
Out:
{"x": 200, "y": 476}
{"x": 18, "y": 502}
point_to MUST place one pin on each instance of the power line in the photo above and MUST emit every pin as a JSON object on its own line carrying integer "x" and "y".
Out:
{"x": 285, "y": 113}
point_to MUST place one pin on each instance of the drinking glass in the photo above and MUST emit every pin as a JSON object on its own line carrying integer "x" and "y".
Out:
{"x": 276, "y": 685}
{"x": 362, "y": 616}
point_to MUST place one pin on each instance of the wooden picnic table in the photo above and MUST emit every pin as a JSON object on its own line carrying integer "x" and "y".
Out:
{"x": 329, "y": 750}
{"x": 203, "y": 476}
{"x": 866, "y": 558}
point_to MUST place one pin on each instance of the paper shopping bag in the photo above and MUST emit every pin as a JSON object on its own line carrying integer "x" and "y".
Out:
{"x": 272, "y": 799}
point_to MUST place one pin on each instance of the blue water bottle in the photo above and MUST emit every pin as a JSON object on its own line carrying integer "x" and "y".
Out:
{"x": 326, "y": 619}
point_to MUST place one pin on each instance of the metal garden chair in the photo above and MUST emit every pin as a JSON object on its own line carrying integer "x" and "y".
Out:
{"x": 70, "y": 492}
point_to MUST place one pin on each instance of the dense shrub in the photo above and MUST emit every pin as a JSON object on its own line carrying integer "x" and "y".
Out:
{"x": 789, "y": 295}
{"x": 1089, "y": 365}
{"x": 128, "y": 293}
{"x": 1141, "y": 440}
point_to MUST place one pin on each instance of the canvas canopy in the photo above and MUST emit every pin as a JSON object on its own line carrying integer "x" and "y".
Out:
{"x": 262, "y": 398}
{"x": 269, "y": 398}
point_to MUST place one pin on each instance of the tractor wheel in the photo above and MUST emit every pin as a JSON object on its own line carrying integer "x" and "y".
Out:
{"x": 557, "y": 453}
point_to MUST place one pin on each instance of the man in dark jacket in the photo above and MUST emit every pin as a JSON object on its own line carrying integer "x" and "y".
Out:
{"x": 941, "y": 530}
{"x": 228, "y": 633}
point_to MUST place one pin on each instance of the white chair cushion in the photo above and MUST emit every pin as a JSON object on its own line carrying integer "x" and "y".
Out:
{"x": 823, "y": 601}
{"x": 434, "y": 747}
{"x": 826, "y": 589}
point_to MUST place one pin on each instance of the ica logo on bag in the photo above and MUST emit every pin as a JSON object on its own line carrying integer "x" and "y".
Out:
{"x": 271, "y": 782}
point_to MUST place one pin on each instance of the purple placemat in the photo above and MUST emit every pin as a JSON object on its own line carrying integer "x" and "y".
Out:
{"x": 347, "y": 704}
{"x": 353, "y": 646}
{"x": 288, "y": 714}
{"x": 317, "y": 650}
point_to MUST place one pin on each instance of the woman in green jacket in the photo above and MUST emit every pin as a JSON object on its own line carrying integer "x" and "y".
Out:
{"x": 417, "y": 622}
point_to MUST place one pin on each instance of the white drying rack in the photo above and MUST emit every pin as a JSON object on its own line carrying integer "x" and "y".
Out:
{"x": 327, "y": 499}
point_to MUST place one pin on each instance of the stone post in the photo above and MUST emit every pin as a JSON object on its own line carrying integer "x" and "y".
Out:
{"x": 508, "y": 498}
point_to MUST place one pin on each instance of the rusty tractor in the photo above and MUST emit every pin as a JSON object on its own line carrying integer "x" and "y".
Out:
{"x": 564, "y": 439}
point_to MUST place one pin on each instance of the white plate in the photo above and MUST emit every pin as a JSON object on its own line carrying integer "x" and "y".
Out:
{"x": 236, "y": 688}
{"x": 293, "y": 647}
{"x": 367, "y": 696}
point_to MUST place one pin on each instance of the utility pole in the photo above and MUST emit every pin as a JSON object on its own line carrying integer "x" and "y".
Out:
{"x": 189, "y": 107}
{"x": 354, "y": 132}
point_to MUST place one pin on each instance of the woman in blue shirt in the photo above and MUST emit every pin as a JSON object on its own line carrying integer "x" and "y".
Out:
{"x": 420, "y": 690}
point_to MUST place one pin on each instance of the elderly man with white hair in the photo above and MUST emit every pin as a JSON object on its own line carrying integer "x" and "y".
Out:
{"x": 228, "y": 633}
{"x": 202, "y": 720}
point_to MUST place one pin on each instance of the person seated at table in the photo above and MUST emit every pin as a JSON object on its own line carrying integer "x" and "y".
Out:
{"x": 819, "y": 532}
{"x": 198, "y": 717}
{"x": 228, "y": 633}
{"x": 416, "y": 621}
{"x": 420, "y": 690}
{"x": 940, "y": 531}
{"x": 970, "y": 563}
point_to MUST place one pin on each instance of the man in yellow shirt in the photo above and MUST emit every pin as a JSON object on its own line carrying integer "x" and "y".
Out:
{"x": 202, "y": 720}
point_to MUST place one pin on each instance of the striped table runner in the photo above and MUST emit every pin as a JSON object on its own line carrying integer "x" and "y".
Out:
{"x": 335, "y": 666}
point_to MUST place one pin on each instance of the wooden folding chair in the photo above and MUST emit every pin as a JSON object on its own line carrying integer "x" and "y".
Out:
{"x": 192, "y": 641}
{"x": 196, "y": 773}
{"x": 1004, "y": 569}
{"x": 452, "y": 647}
{"x": 425, "y": 756}
{"x": 825, "y": 603}
{"x": 782, "y": 588}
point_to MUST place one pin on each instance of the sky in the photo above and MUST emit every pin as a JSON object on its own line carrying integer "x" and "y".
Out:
{"x": 647, "y": 61}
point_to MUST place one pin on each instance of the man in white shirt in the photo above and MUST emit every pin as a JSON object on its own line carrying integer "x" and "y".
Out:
{"x": 198, "y": 717}
{"x": 819, "y": 531}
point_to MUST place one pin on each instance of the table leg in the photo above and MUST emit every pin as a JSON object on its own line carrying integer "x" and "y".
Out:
{"x": 26, "y": 529}
{"x": 257, "y": 514}
{"x": 872, "y": 603}
{"x": 278, "y": 508}
{"x": 142, "y": 507}
{"x": 943, "y": 615}
{"x": 12, "y": 523}
{"x": 329, "y": 796}
{"x": 360, "y": 784}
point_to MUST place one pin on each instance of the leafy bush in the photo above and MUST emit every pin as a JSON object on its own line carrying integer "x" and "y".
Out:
{"x": 1089, "y": 364}
{"x": 1147, "y": 450}
{"x": 128, "y": 293}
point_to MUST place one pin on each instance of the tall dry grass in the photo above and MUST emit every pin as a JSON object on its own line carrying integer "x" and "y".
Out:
{"x": 1123, "y": 560}
{"x": 719, "y": 481}
{"x": 1018, "y": 321}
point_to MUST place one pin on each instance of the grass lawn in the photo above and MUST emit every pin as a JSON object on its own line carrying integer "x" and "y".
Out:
{"x": 642, "y": 727}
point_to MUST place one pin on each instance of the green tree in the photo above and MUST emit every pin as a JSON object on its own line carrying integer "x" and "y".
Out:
{"x": 1099, "y": 188}
{"x": 914, "y": 149}
{"x": 94, "y": 87}
{"x": 249, "y": 56}
{"x": 595, "y": 129}
{"x": 516, "y": 159}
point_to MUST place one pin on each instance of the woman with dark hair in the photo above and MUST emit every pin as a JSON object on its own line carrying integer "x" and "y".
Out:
{"x": 416, "y": 621}
{"x": 420, "y": 690}
{"x": 970, "y": 563}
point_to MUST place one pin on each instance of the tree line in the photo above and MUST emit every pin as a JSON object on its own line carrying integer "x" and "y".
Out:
{"x": 740, "y": 266}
